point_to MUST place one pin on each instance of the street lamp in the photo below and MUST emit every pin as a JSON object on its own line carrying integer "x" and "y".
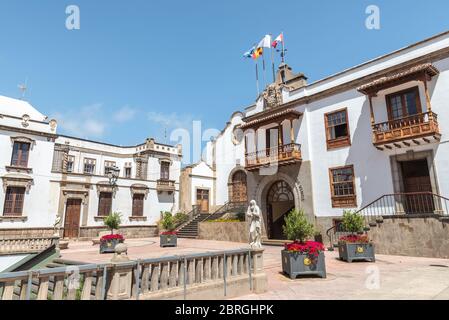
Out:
{"x": 113, "y": 175}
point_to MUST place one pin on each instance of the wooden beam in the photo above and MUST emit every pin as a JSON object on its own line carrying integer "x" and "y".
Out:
{"x": 388, "y": 147}
{"x": 416, "y": 142}
{"x": 379, "y": 148}
{"x": 397, "y": 145}
{"x": 426, "y": 140}
{"x": 406, "y": 144}
{"x": 437, "y": 138}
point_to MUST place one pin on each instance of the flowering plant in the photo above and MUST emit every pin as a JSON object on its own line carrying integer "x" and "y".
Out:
{"x": 112, "y": 237}
{"x": 169, "y": 233}
{"x": 354, "y": 239}
{"x": 310, "y": 248}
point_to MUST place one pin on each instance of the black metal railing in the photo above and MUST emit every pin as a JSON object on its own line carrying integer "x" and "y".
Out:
{"x": 230, "y": 206}
{"x": 396, "y": 204}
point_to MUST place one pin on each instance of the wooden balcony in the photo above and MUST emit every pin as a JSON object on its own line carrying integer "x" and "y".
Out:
{"x": 281, "y": 155}
{"x": 418, "y": 129}
{"x": 164, "y": 185}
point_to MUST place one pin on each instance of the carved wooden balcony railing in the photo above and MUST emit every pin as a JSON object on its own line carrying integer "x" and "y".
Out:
{"x": 165, "y": 185}
{"x": 281, "y": 155}
{"x": 418, "y": 126}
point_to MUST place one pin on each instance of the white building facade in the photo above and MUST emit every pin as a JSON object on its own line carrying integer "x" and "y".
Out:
{"x": 374, "y": 132}
{"x": 46, "y": 175}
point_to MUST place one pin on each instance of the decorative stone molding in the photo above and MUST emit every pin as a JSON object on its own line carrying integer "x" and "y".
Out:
{"x": 21, "y": 218}
{"x": 136, "y": 218}
{"x": 167, "y": 160}
{"x": 104, "y": 186}
{"x": 24, "y": 140}
{"x": 139, "y": 189}
{"x": 53, "y": 124}
{"x": 76, "y": 194}
{"x": 25, "y": 120}
{"x": 99, "y": 218}
{"x": 237, "y": 135}
{"x": 17, "y": 180}
{"x": 18, "y": 169}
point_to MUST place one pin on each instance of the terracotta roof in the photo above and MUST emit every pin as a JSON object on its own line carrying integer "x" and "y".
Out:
{"x": 426, "y": 67}
{"x": 271, "y": 116}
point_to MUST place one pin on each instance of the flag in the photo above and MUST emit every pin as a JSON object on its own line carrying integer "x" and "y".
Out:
{"x": 265, "y": 42}
{"x": 257, "y": 53}
{"x": 249, "y": 53}
{"x": 280, "y": 38}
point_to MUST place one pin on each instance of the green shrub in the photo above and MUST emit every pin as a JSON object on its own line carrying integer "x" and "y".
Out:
{"x": 352, "y": 221}
{"x": 296, "y": 227}
{"x": 113, "y": 221}
{"x": 180, "y": 218}
{"x": 167, "y": 222}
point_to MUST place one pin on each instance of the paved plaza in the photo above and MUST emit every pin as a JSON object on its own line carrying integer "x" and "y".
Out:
{"x": 391, "y": 277}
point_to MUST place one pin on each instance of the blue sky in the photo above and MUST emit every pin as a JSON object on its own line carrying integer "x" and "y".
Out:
{"x": 138, "y": 67}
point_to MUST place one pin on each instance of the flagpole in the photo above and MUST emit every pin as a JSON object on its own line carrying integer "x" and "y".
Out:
{"x": 257, "y": 77}
{"x": 263, "y": 67}
{"x": 272, "y": 59}
{"x": 283, "y": 56}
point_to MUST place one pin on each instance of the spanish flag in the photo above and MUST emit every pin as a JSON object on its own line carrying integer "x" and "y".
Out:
{"x": 257, "y": 53}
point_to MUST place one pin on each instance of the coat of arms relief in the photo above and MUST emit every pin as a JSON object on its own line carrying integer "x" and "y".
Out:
{"x": 272, "y": 96}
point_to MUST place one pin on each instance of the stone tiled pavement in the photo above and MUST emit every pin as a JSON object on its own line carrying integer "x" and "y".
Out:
{"x": 400, "y": 277}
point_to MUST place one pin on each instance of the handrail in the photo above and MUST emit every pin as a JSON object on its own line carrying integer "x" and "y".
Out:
{"x": 279, "y": 148}
{"x": 395, "y": 123}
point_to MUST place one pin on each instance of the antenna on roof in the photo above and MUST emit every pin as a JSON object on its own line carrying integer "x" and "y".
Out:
{"x": 23, "y": 88}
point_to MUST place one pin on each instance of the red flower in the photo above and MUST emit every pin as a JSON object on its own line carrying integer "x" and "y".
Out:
{"x": 355, "y": 239}
{"x": 169, "y": 233}
{"x": 310, "y": 248}
{"x": 112, "y": 237}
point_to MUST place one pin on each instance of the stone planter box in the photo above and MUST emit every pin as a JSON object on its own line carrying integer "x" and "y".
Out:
{"x": 295, "y": 264}
{"x": 356, "y": 251}
{"x": 108, "y": 246}
{"x": 168, "y": 240}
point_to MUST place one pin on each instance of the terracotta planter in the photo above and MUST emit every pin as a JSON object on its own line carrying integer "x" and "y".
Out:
{"x": 295, "y": 264}
{"x": 356, "y": 251}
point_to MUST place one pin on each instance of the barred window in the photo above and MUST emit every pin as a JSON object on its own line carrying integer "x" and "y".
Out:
{"x": 104, "y": 204}
{"x": 138, "y": 200}
{"x": 89, "y": 166}
{"x": 14, "y": 201}
{"x": 58, "y": 160}
{"x": 20, "y": 154}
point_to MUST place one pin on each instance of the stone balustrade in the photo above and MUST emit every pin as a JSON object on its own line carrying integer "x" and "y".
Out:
{"x": 26, "y": 245}
{"x": 211, "y": 275}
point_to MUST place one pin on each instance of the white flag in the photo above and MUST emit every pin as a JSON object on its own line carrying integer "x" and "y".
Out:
{"x": 265, "y": 42}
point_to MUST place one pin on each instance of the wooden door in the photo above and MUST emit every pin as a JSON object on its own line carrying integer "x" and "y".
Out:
{"x": 72, "y": 218}
{"x": 202, "y": 200}
{"x": 416, "y": 179}
{"x": 238, "y": 187}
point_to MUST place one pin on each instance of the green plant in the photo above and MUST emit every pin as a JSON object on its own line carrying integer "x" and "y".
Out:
{"x": 180, "y": 218}
{"x": 113, "y": 221}
{"x": 296, "y": 227}
{"x": 352, "y": 221}
{"x": 167, "y": 222}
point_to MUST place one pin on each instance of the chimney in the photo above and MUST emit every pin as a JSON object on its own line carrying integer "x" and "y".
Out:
{"x": 287, "y": 77}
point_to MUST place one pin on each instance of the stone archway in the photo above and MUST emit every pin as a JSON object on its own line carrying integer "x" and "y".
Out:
{"x": 280, "y": 201}
{"x": 262, "y": 187}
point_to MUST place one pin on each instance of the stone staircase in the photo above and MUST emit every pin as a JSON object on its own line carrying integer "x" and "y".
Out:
{"x": 190, "y": 229}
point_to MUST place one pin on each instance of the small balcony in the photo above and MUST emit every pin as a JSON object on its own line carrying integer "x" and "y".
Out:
{"x": 417, "y": 129}
{"x": 164, "y": 185}
{"x": 281, "y": 155}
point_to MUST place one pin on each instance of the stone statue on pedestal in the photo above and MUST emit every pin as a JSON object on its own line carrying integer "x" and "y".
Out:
{"x": 255, "y": 229}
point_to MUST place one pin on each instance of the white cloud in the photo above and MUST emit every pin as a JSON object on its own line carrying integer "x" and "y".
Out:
{"x": 124, "y": 114}
{"x": 84, "y": 122}
{"x": 171, "y": 120}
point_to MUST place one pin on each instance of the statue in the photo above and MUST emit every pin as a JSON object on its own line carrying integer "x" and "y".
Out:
{"x": 255, "y": 229}
{"x": 57, "y": 226}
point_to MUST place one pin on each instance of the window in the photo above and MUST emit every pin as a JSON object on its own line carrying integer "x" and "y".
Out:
{"x": 403, "y": 104}
{"x": 20, "y": 154}
{"x": 108, "y": 165}
{"x": 70, "y": 163}
{"x": 138, "y": 205}
{"x": 127, "y": 172}
{"x": 14, "y": 201}
{"x": 342, "y": 187}
{"x": 165, "y": 170}
{"x": 104, "y": 204}
{"x": 89, "y": 166}
{"x": 337, "y": 129}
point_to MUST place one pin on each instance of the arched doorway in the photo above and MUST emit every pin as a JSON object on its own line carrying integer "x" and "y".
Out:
{"x": 237, "y": 187}
{"x": 280, "y": 201}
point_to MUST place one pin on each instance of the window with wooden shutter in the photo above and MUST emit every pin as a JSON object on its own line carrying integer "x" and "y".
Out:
{"x": 165, "y": 170}
{"x": 104, "y": 204}
{"x": 20, "y": 154}
{"x": 337, "y": 129}
{"x": 14, "y": 201}
{"x": 138, "y": 200}
{"x": 342, "y": 182}
{"x": 58, "y": 160}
